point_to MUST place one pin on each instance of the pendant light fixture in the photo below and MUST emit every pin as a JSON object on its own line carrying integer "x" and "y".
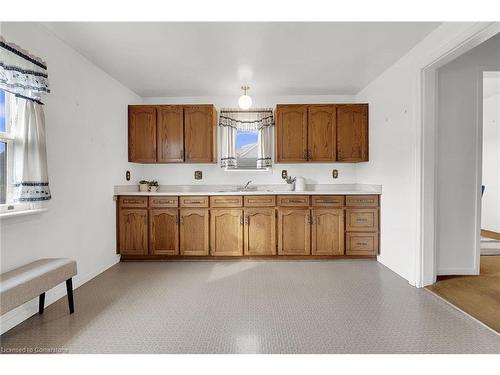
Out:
{"x": 245, "y": 101}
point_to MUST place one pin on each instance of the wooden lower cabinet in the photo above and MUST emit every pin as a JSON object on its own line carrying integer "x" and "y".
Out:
{"x": 133, "y": 231}
{"x": 327, "y": 231}
{"x": 194, "y": 232}
{"x": 164, "y": 231}
{"x": 260, "y": 231}
{"x": 226, "y": 232}
{"x": 294, "y": 231}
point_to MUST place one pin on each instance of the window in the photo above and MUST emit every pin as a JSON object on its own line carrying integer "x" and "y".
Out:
{"x": 5, "y": 148}
{"x": 246, "y": 148}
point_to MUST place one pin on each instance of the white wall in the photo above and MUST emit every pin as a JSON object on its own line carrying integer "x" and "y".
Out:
{"x": 490, "y": 213}
{"x": 214, "y": 174}
{"x": 458, "y": 157}
{"x": 395, "y": 107}
{"x": 86, "y": 120}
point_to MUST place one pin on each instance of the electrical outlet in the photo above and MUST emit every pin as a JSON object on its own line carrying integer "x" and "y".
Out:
{"x": 127, "y": 175}
{"x": 335, "y": 173}
{"x": 198, "y": 175}
{"x": 284, "y": 174}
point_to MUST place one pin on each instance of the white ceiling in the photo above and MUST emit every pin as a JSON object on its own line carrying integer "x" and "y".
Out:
{"x": 205, "y": 59}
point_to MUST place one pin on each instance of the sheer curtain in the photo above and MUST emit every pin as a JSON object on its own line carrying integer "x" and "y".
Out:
{"x": 26, "y": 76}
{"x": 259, "y": 120}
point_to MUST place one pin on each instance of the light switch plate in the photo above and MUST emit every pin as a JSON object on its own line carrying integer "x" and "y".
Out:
{"x": 335, "y": 173}
{"x": 198, "y": 175}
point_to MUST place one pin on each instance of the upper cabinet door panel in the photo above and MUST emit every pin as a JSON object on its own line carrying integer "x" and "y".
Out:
{"x": 199, "y": 133}
{"x": 291, "y": 133}
{"x": 352, "y": 132}
{"x": 170, "y": 134}
{"x": 322, "y": 133}
{"x": 142, "y": 134}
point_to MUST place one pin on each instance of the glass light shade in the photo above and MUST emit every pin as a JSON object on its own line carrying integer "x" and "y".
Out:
{"x": 245, "y": 102}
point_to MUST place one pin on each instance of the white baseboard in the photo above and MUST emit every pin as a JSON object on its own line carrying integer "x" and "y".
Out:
{"x": 27, "y": 310}
{"x": 456, "y": 271}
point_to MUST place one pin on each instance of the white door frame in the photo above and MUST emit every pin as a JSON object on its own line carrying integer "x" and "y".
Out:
{"x": 426, "y": 267}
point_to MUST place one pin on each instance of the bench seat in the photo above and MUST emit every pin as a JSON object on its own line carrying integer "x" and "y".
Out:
{"x": 33, "y": 280}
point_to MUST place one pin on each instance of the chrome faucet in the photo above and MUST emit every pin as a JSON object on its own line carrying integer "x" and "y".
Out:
{"x": 246, "y": 185}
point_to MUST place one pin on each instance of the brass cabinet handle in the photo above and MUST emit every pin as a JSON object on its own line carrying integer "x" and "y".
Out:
{"x": 305, "y": 154}
{"x": 241, "y": 220}
{"x": 247, "y": 220}
{"x": 309, "y": 155}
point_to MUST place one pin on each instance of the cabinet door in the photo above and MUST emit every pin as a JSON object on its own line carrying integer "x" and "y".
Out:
{"x": 142, "y": 134}
{"x": 327, "y": 231}
{"x": 194, "y": 231}
{"x": 352, "y": 132}
{"x": 294, "y": 231}
{"x": 199, "y": 133}
{"x": 133, "y": 231}
{"x": 163, "y": 232}
{"x": 170, "y": 134}
{"x": 321, "y": 133}
{"x": 291, "y": 133}
{"x": 260, "y": 231}
{"x": 362, "y": 219}
{"x": 226, "y": 232}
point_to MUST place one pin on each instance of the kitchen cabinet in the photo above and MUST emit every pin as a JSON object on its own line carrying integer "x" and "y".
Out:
{"x": 294, "y": 231}
{"x": 226, "y": 232}
{"x": 321, "y": 133}
{"x": 291, "y": 133}
{"x": 164, "y": 231}
{"x": 327, "y": 231}
{"x": 133, "y": 231}
{"x": 194, "y": 231}
{"x": 324, "y": 225}
{"x": 170, "y": 134}
{"x": 352, "y": 133}
{"x": 142, "y": 134}
{"x": 200, "y": 133}
{"x": 260, "y": 231}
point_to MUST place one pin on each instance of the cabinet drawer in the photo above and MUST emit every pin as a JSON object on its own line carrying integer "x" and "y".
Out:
{"x": 160, "y": 202}
{"x": 133, "y": 202}
{"x": 260, "y": 201}
{"x": 327, "y": 200}
{"x": 195, "y": 201}
{"x": 362, "y": 220}
{"x": 361, "y": 201}
{"x": 226, "y": 201}
{"x": 361, "y": 243}
{"x": 293, "y": 200}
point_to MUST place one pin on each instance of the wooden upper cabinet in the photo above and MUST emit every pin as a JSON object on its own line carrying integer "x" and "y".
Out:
{"x": 260, "y": 231}
{"x": 194, "y": 231}
{"x": 226, "y": 232}
{"x": 352, "y": 132}
{"x": 291, "y": 133}
{"x": 133, "y": 231}
{"x": 142, "y": 134}
{"x": 163, "y": 231}
{"x": 321, "y": 133}
{"x": 199, "y": 133}
{"x": 294, "y": 231}
{"x": 170, "y": 134}
{"x": 327, "y": 231}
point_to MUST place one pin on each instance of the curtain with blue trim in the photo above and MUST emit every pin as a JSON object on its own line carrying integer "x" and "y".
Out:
{"x": 25, "y": 76}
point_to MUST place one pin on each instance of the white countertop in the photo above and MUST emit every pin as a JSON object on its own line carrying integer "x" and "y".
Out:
{"x": 319, "y": 189}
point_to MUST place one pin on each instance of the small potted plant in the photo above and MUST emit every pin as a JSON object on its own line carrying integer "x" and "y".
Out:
{"x": 153, "y": 186}
{"x": 143, "y": 186}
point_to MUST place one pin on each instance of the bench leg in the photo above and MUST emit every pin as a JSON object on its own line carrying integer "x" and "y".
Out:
{"x": 69, "y": 289}
{"x": 41, "y": 303}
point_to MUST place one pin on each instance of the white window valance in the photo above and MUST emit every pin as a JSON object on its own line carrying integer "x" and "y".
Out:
{"x": 259, "y": 120}
{"x": 25, "y": 76}
{"x": 22, "y": 73}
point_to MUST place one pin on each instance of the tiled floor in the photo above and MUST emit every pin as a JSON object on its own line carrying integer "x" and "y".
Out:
{"x": 347, "y": 306}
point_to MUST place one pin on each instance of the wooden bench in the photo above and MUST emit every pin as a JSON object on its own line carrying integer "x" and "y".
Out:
{"x": 33, "y": 280}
